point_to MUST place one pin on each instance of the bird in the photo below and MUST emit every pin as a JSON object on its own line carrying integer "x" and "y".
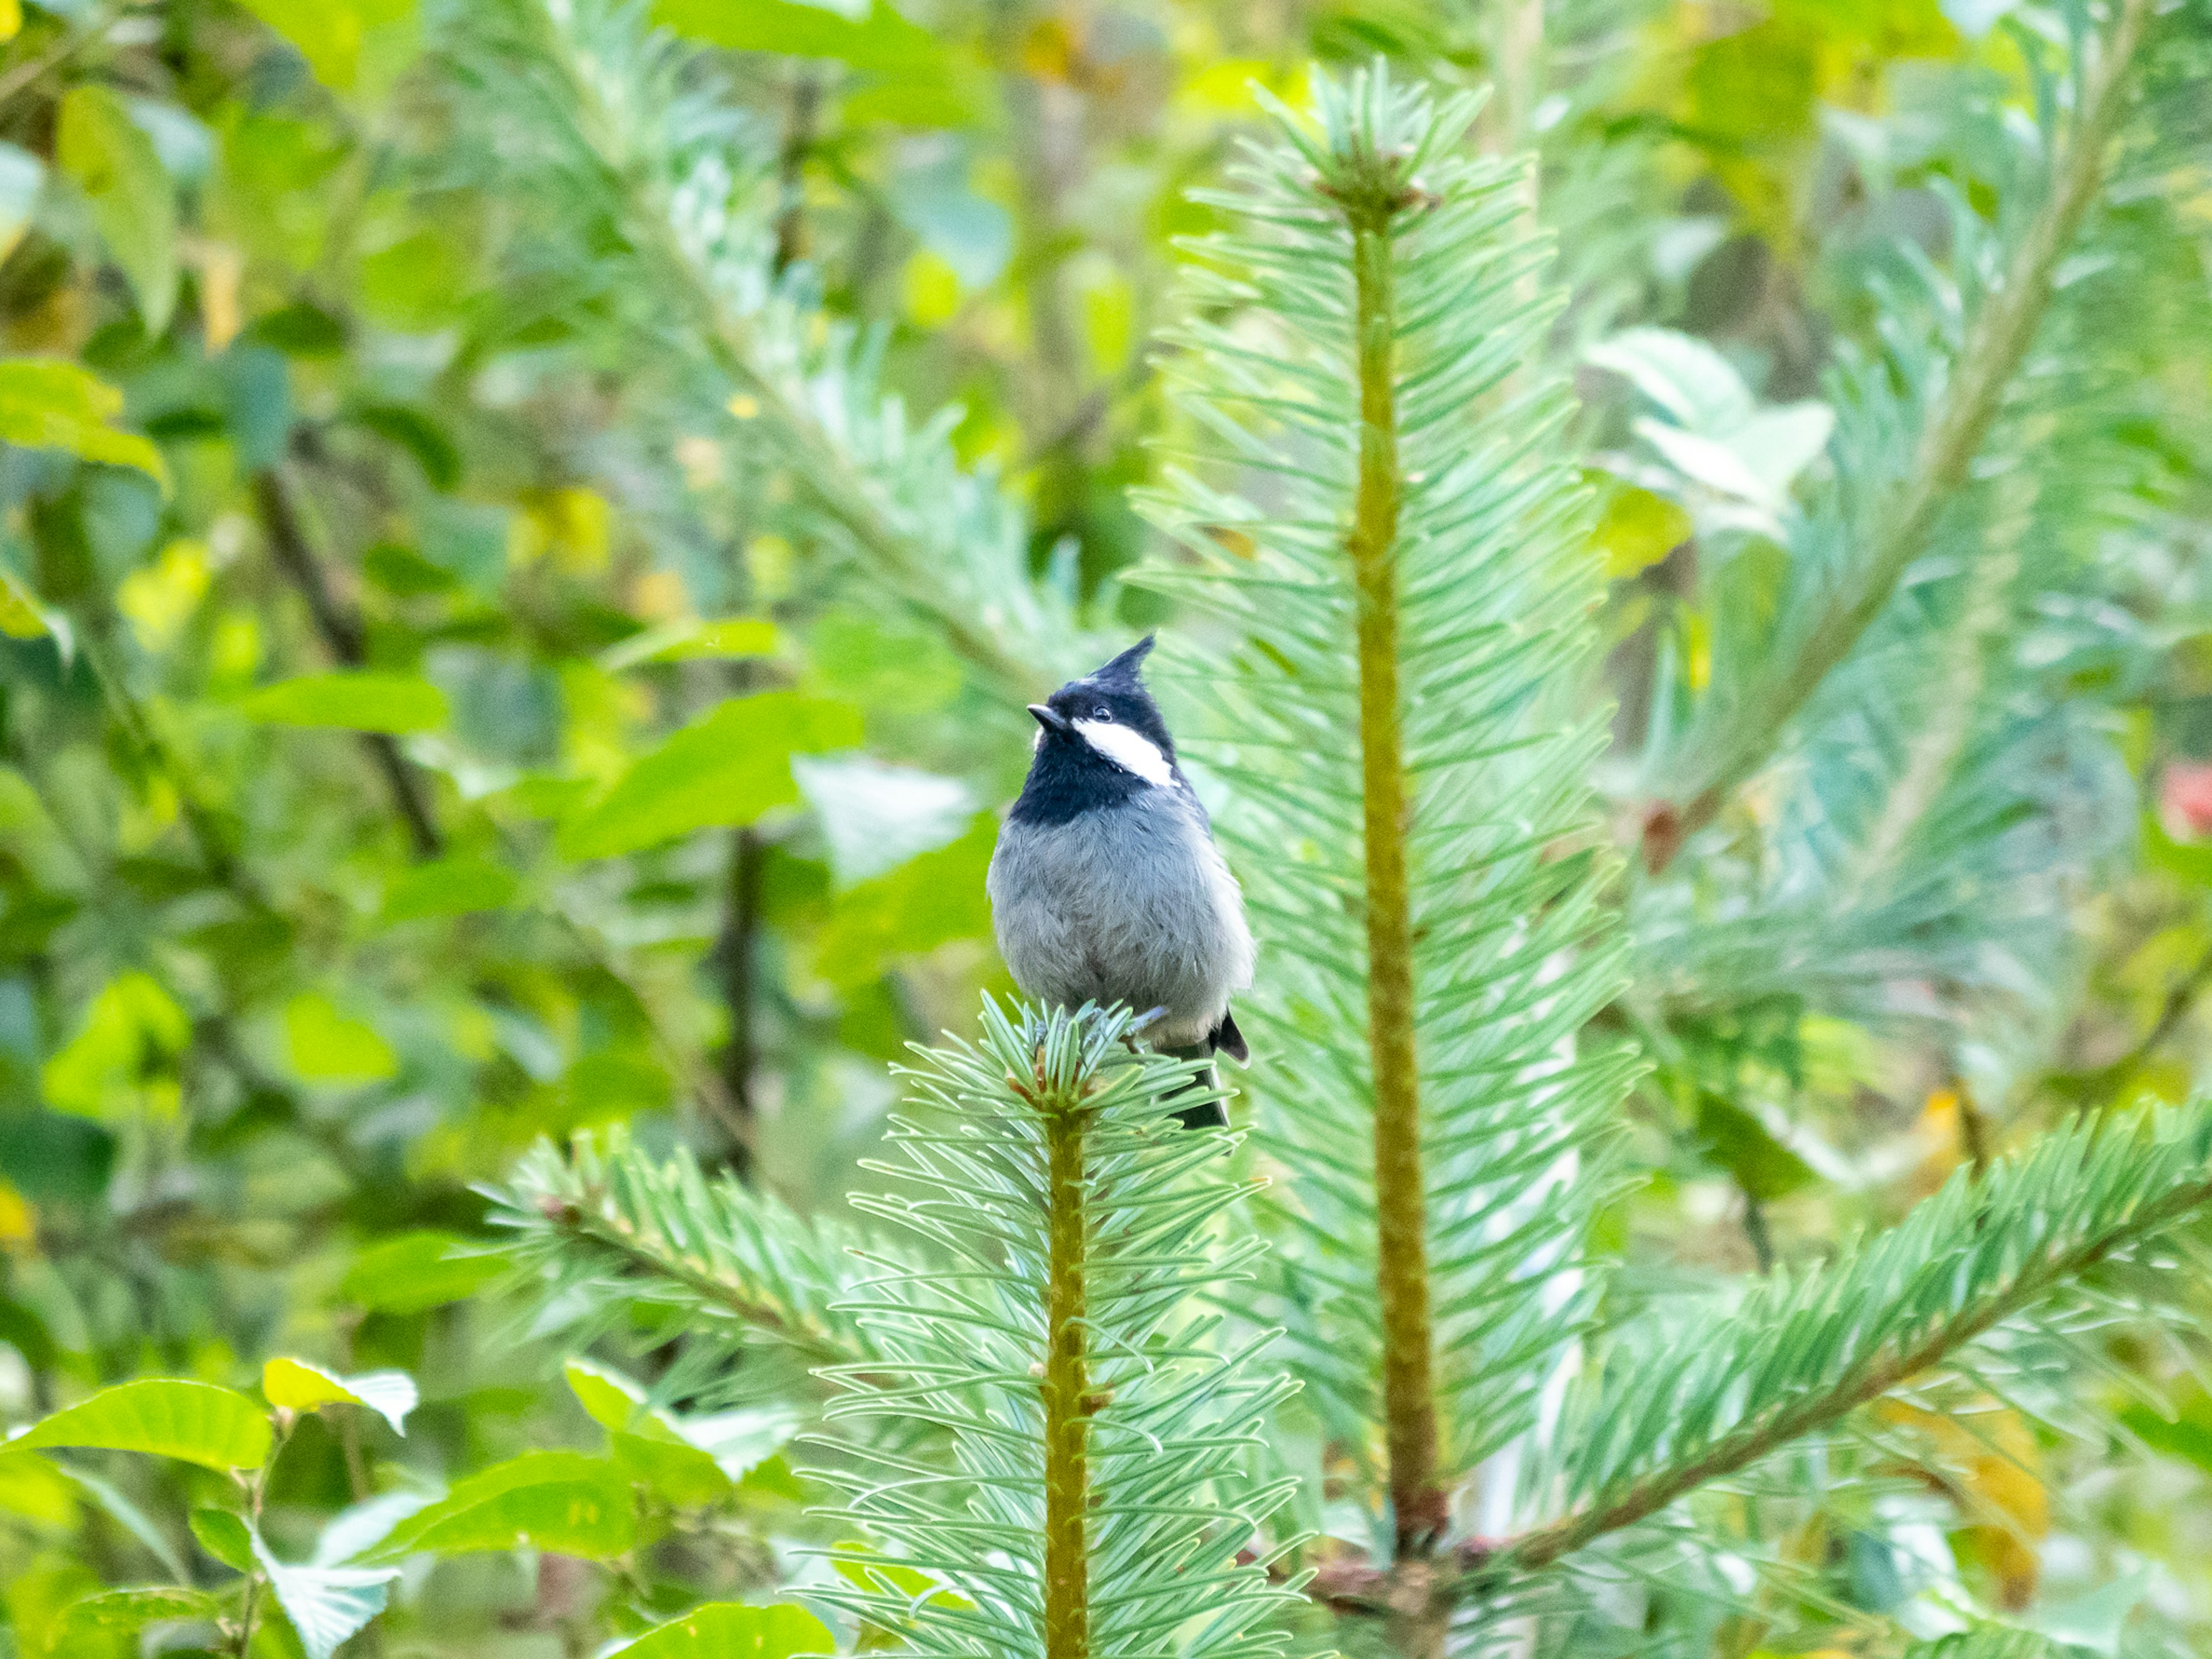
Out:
{"x": 1106, "y": 886}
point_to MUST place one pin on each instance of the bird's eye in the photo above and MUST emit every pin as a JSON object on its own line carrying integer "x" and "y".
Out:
{"x": 1102, "y": 713}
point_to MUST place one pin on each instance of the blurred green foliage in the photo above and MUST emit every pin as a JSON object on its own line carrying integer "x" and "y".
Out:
{"x": 527, "y": 528}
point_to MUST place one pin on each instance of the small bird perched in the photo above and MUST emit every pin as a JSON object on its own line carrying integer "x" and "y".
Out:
{"x": 1106, "y": 885}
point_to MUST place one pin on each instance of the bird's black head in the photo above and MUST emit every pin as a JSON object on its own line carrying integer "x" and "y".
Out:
{"x": 1100, "y": 741}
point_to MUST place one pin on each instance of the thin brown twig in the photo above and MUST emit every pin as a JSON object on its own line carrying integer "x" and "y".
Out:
{"x": 290, "y": 544}
{"x": 2180, "y": 1002}
{"x": 737, "y": 945}
{"x": 791, "y": 167}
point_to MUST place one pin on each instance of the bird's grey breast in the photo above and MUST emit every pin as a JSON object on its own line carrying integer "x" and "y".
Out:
{"x": 1128, "y": 903}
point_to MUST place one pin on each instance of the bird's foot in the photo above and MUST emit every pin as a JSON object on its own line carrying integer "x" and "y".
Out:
{"x": 1137, "y": 1026}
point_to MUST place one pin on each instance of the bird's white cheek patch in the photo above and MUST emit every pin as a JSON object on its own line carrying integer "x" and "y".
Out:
{"x": 1132, "y": 751}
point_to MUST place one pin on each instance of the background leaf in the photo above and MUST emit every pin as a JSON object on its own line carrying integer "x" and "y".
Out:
{"x": 196, "y": 1422}
{"x": 357, "y": 702}
{"x": 123, "y": 1613}
{"x": 725, "y": 1628}
{"x": 114, "y": 163}
{"x": 325, "y": 1605}
{"x": 727, "y": 768}
{"x": 295, "y": 1385}
{"x": 46, "y": 403}
{"x": 562, "y": 1502}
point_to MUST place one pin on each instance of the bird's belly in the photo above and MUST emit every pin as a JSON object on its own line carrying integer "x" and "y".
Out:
{"x": 1125, "y": 905}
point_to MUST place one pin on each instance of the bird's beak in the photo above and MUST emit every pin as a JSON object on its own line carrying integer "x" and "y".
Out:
{"x": 1051, "y": 719}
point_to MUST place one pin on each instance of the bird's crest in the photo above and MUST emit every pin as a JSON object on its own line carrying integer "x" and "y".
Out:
{"x": 1121, "y": 671}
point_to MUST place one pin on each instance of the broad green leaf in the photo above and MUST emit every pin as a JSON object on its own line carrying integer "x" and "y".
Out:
{"x": 326, "y": 1045}
{"x": 649, "y": 1444}
{"x": 39, "y": 1591}
{"x": 1778, "y": 444}
{"x": 21, "y": 616}
{"x": 1707, "y": 461}
{"x": 742, "y": 1439}
{"x": 35, "y": 1490}
{"x": 908, "y": 77}
{"x": 612, "y": 1400}
{"x": 1636, "y": 529}
{"x": 46, "y": 403}
{"x": 398, "y": 568}
{"x": 131, "y": 1518}
{"x": 2188, "y": 1437}
{"x": 562, "y": 1502}
{"x": 362, "y": 1527}
{"x": 115, "y": 165}
{"x": 298, "y": 1386}
{"x": 879, "y": 39}
{"x": 1698, "y": 388}
{"x": 355, "y": 700}
{"x": 2095, "y": 1619}
{"x": 875, "y": 818}
{"x": 349, "y": 44}
{"x": 120, "y": 1063}
{"x": 687, "y": 1459}
{"x": 123, "y": 1613}
{"x": 51, "y": 1157}
{"x": 416, "y": 285}
{"x": 195, "y": 1422}
{"x": 925, "y": 903}
{"x": 727, "y": 768}
{"x": 455, "y": 886}
{"x": 420, "y": 436}
{"x": 325, "y": 1605}
{"x": 2191, "y": 860}
{"x": 682, "y": 641}
{"x": 414, "y": 1271}
{"x": 730, "y": 1630}
{"x": 681, "y": 1475}
{"x": 1740, "y": 1143}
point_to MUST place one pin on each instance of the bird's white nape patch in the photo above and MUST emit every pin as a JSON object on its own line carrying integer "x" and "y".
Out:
{"x": 1133, "y": 751}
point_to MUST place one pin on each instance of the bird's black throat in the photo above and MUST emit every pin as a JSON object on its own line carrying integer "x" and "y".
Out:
{"x": 1068, "y": 778}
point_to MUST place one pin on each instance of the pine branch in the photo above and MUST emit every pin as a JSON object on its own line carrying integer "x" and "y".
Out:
{"x": 1431, "y": 944}
{"x": 609, "y": 1230}
{"x": 889, "y": 495}
{"x": 1093, "y": 1499}
{"x": 1746, "y": 730}
{"x": 1374, "y": 191}
{"x": 1802, "y": 1352}
{"x": 1065, "y": 1399}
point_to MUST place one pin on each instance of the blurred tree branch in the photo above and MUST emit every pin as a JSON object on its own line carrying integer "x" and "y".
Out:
{"x": 2001, "y": 333}
{"x": 286, "y": 529}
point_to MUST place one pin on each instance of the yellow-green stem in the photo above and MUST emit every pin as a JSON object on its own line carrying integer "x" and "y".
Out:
{"x": 1066, "y": 1392}
{"x": 1409, "y": 1385}
{"x": 249, "y": 1617}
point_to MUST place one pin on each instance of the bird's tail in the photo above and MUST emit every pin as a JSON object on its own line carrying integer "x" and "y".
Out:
{"x": 1214, "y": 1113}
